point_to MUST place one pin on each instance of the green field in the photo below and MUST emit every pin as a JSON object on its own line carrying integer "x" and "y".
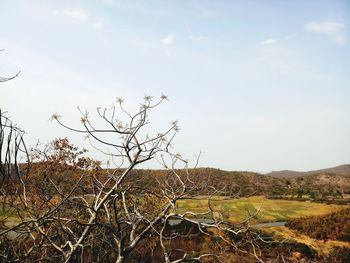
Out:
{"x": 259, "y": 208}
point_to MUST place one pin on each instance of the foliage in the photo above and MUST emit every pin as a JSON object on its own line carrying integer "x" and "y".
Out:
{"x": 335, "y": 226}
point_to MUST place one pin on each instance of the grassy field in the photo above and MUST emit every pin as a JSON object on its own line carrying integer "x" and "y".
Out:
{"x": 260, "y": 208}
{"x": 267, "y": 210}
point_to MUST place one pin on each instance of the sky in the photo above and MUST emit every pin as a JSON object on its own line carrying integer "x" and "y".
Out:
{"x": 255, "y": 85}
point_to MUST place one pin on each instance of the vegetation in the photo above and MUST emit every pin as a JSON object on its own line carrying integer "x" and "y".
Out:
{"x": 335, "y": 226}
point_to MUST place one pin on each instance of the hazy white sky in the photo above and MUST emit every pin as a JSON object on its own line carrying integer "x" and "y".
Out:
{"x": 255, "y": 85}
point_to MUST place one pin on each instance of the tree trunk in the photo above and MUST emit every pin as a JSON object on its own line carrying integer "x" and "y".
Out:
{"x": 120, "y": 259}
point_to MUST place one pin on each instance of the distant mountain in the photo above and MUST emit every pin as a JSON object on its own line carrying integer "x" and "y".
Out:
{"x": 340, "y": 170}
{"x": 286, "y": 174}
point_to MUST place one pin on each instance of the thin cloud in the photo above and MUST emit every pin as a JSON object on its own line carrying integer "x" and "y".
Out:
{"x": 290, "y": 36}
{"x": 168, "y": 53}
{"x": 99, "y": 23}
{"x": 109, "y": 2}
{"x": 269, "y": 41}
{"x": 168, "y": 40}
{"x": 196, "y": 38}
{"x": 76, "y": 14}
{"x": 333, "y": 30}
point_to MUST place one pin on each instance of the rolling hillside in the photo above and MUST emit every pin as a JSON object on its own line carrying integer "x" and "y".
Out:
{"x": 340, "y": 170}
{"x": 243, "y": 183}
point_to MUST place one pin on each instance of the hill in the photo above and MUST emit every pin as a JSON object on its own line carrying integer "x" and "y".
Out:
{"x": 229, "y": 183}
{"x": 339, "y": 170}
{"x": 324, "y": 182}
{"x": 240, "y": 183}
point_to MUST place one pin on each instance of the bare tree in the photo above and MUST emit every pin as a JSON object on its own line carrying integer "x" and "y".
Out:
{"x": 12, "y": 148}
{"x": 3, "y": 79}
{"x": 76, "y": 211}
{"x": 12, "y": 151}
